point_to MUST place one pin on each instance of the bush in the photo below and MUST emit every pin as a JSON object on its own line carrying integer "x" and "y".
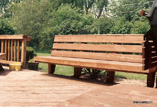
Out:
{"x": 30, "y": 53}
{"x": 5, "y": 28}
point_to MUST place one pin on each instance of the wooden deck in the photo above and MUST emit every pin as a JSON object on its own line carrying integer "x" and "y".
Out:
{"x": 37, "y": 89}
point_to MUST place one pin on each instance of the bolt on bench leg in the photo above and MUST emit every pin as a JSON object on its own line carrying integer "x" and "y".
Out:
{"x": 51, "y": 68}
{"x": 77, "y": 72}
{"x": 150, "y": 79}
{"x": 110, "y": 76}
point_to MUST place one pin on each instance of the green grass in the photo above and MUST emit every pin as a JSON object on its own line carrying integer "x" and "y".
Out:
{"x": 68, "y": 71}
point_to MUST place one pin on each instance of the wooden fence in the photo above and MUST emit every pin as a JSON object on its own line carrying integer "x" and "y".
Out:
{"x": 14, "y": 46}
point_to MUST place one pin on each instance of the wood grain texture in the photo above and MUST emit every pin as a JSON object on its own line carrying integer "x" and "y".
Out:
{"x": 95, "y": 64}
{"x": 12, "y": 50}
{"x": 15, "y": 37}
{"x": 15, "y": 50}
{"x": 100, "y": 56}
{"x": 18, "y": 50}
{"x": 38, "y": 89}
{"x": 122, "y": 38}
{"x": 23, "y": 53}
{"x": 101, "y": 47}
{"x": 2, "y": 56}
{"x": 2, "y": 46}
{"x": 8, "y": 49}
{"x": 10, "y": 45}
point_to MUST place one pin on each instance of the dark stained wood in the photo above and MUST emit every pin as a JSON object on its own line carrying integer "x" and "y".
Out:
{"x": 1, "y": 67}
{"x": 15, "y": 50}
{"x": 18, "y": 50}
{"x": 2, "y": 46}
{"x": 8, "y": 49}
{"x": 122, "y": 38}
{"x": 12, "y": 50}
{"x": 110, "y": 76}
{"x": 100, "y": 47}
{"x": 100, "y": 56}
{"x": 150, "y": 79}
{"x": 51, "y": 68}
{"x": 77, "y": 72}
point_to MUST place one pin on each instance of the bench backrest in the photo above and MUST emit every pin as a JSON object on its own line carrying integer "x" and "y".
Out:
{"x": 125, "y": 48}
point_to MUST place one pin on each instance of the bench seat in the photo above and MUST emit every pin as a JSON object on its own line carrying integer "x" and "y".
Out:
{"x": 95, "y": 64}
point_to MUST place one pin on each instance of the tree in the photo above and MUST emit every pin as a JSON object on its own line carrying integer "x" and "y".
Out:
{"x": 130, "y": 9}
{"x": 31, "y": 17}
{"x": 121, "y": 26}
{"x": 102, "y": 25}
{"x": 5, "y": 27}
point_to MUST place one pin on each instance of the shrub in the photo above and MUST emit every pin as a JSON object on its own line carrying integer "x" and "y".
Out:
{"x": 29, "y": 53}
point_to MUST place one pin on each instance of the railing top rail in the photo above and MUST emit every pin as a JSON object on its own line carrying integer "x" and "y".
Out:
{"x": 19, "y": 37}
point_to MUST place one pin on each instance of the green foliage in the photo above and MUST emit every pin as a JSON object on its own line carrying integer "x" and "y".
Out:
{"x": 31, "y": 17}
{"x": 30, "y": 53}
{"x": 6, "y": 28}
{"x": 43, "y": 19}
{"x": 140, "y": 27}
{"x": 102, "y": 25}
{"x": 122, "y": 26}
{"x": 69, "y": 20}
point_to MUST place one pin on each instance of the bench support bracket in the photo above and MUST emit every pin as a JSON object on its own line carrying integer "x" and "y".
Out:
{"x": 150, "y": 79}
{"x": 110, "y": 76}
{"x": 51, "y": 68}
{"x": 77, "y": 72}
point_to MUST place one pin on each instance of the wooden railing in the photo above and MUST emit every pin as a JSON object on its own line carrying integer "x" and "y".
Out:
{"x": 14, "y": 46}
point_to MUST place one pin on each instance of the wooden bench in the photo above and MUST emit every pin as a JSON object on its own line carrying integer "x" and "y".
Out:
{"x": 128, "y": 53}
{"x": 14, "y": 46}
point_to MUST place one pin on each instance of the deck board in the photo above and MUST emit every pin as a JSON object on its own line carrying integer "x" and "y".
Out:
{"x": 33, "y": 88}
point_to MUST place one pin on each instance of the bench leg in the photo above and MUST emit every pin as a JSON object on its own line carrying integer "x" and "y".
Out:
{"x": 77, "y": 72}
{"x": 110, "y": 76}
{"x": 1, "y": 67}
{"x": 51, "y": 68}
{"x": 150, "y": 79}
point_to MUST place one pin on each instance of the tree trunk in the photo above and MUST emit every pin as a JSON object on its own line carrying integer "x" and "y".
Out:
{"x": 101, "y": 9}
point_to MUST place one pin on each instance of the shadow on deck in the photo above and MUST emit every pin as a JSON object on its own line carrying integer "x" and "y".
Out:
{"x": 33, "y": 88}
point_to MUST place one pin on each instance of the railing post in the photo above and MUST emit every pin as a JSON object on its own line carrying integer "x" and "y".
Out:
{"x": 23, "y": 51}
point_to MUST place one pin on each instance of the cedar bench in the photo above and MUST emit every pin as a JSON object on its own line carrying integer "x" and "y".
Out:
{"x": 128, "y": 53}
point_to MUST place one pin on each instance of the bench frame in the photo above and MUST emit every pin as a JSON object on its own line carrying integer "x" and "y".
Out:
{"x": 149, "y": 64}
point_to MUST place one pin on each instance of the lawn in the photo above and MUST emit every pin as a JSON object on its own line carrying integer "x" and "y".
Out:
{"x": 68, "y": 71}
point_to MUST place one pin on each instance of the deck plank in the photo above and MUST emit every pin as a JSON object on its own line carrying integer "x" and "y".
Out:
{"x": 33, "y": 88}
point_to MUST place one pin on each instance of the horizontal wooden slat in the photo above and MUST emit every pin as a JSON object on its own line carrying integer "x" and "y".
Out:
{"x": 94, "y": 47}
{"x": 2, "y": 56}
{"x": 6, "y": 62}
{"x": 11, "y": 36}
{"x": 100, "y": 56}
{"x": 90, "y": 63}
{"x": 121, "y": 38}
{"x": 15, "y": 37}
